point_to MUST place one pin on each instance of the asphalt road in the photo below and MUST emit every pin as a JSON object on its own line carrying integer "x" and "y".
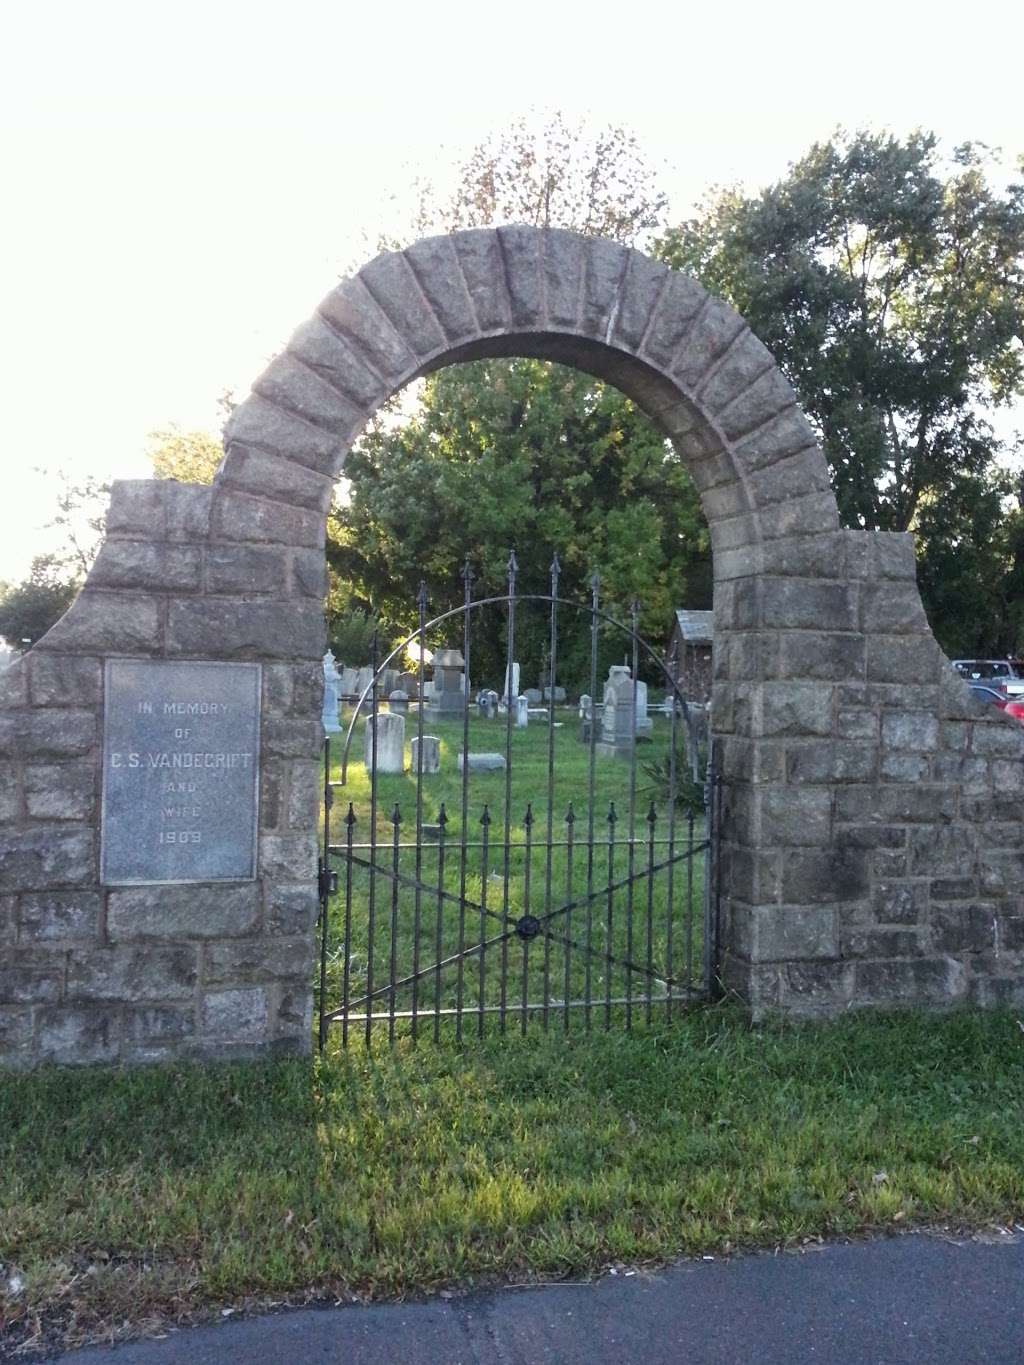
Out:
{"x": 914, "y": 1299}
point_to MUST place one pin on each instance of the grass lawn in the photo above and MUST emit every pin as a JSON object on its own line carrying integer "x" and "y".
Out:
{"x": 600, "y": 944}
{"x": 127, "y": 1197}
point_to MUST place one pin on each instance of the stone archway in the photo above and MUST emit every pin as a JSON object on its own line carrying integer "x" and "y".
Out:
{"x": 867, "y": 857}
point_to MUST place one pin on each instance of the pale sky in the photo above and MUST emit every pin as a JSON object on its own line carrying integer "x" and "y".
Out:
{"x": 183, "y": 183}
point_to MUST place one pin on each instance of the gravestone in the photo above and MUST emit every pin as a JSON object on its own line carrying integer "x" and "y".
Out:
{"x": 329, "y": 711}
{"x": 431, "y": 754}
{"x": 522, "y": 716}
{"x": 409, "y": 683}
{"x": 513, "y": 690}
{"x": 533, "y": 696}
{"x": 180, "y": 765}
{"x": 448, "y": 694}
{"x": 559, "y": 694}
{"x": 617, "y": 713}
{"x": 398, "y": 703}
{"x": 390, "y": 731}
{"x": 482, "y": 763}
{"x": 348, "y": 683}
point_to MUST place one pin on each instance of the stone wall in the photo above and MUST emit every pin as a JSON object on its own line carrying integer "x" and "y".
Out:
{"x": 142, "y": 973}
{"x": 872, "y": 837}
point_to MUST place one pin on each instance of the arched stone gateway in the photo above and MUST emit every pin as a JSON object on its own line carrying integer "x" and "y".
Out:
{"x": 873, "y": 840}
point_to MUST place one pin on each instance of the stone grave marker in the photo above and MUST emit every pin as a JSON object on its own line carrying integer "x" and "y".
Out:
{"x": 390, "y": 742}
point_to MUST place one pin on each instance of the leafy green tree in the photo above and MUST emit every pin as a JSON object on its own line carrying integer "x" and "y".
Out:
{"x": 28, "y": 609}
{"x": 891, "y": 291}
{"x": 188, "y": 456}
{"x": 529, "y": 456}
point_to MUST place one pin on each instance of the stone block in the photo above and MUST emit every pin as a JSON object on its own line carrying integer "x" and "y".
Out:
{"x": 38, "y": 733}
{"x": 293, "y": 737}
{"x": 240, "y": 1015}
{"x": 272, "y": 476}
{"x": 132, "y": 564}
{"x": 784, "y": 434}
{"x": 902, "y": 902}
{"x": 802, "y": 604}
{"x": 335, "y": 360}
{"x": 1008, "y": 776}
{"x": 812, "y": 514}
{"x": 247, "y": 569}
{"x": 729, "y": 387}
{"x": 783, "y": 933}
{"x": 871, "y": 836}
{"x": 830, "y": 761}
{"x": 36, "y": 859}
{"x": 159, "y": 1023}
{"x": 906, "y": 659}
{"x": 1002, "y": 872}
{"x": 963, "y": 928}
{"x": 896, "y": 805}
{"x": 602, "y": 281}
{"x": 100, "y": 621}
{"x": 292, "y": 384}
{"x": 917, "y": 731}
{"x": 714, "y": 330}
{"x": 291, "y": 909}
{"x": 435, "y": 264}
{"x": 15, "y": 1032}
{"x": 183, "y": 912}
{"x": 816, "y": 989}
{"x": 228, "y": 629}
{"x": 14, "y": 683}
{"x": 10, "y": 798}
{"x": 795, "y": 708}
{"x": 303, "y": 795}
{"x": 881, "y": 943}
{"x": 964, "y": 770}
{"x": 8, "y": 918}
{"x": 793, "y": 816}
{"x": 32, "y": 975}
{"x": 751, "y": 875}
{"x": 60, "y": 791}
{"x": 823, "y": 876}
{"x": 137, "y": 509}
{"x": 127, "y": 974}
{"x": 68, "y": 680}
{"x": 75, "y": 1034}
{"x": 243, "y": 517}
{"x": 857, "y": 725}
{"x": 483, "y": 268}
{"x": 794, "y": 477}
{"x": 818, "y": 655}
{"x": 59, "y": 916}
{"x": 914, "y": 981}
{"x": 905, "y": 767}
{"x": 1003, "y": 738}
{"x": 308, "y": 574}
{"x": 950, "y": 850}
{"x": 520, "y": 247}
{"x": 893, "y": 555}
{"x": 814, "y": 555}
{"x": 265, "y": 424}
{"x": 288, "y": 857}
{"x": 187, "y": 511}
{"x": 258, "y": 961}
{"x": 642, "y": 287}
{"x": 892, "y": 608}
{"x": 679, "y": 302}
{"x": 431, "y": 754}
{"x": 402, "y": 283}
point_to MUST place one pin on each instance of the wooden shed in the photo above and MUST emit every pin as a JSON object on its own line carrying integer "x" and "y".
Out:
{"x": 691, "y": 640}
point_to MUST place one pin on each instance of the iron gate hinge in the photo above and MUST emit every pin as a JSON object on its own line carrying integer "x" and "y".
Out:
{"x": 327, "y": 881}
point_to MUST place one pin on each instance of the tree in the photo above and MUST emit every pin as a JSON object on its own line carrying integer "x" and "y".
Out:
{"x": 521, "y": 453}
{"x": 28, "y": 609}
{"x": 188, "y": 456}
{"x": 891, "y": 291}
{"x": 526, "y": 455}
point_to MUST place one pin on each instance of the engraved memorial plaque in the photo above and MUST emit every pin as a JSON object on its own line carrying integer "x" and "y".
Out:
{"x": 180, "y": 772}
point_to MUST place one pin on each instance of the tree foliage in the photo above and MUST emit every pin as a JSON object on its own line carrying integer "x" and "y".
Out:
{"x": 891, "y": 291}
{"x": 188, "y": 456}
{"x": 28, "y": 609}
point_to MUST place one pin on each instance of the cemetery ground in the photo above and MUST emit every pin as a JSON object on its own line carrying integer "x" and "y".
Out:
{"x": 132, "y": 1201}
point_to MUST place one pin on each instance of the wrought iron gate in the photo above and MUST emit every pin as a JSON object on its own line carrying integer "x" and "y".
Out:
{"x": 517, "y": 900}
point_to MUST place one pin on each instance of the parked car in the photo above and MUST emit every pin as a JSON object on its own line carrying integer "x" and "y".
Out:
{"x": 997, "y": 698}
{"x": 1004, "y": 674}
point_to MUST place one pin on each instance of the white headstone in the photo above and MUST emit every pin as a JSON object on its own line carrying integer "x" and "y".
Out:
{"x": 329, "y": 713}
{"x": 515, "y": 682}
{"x": 431, "y": 754}
{"x": 644, "y": 724}
{"x": 482, "y": 763}
{"x": 390, "y": 742}
{"x": 522, "y": 713}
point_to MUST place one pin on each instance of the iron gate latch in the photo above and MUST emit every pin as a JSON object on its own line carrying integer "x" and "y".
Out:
{"x": 327, "y": 881}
